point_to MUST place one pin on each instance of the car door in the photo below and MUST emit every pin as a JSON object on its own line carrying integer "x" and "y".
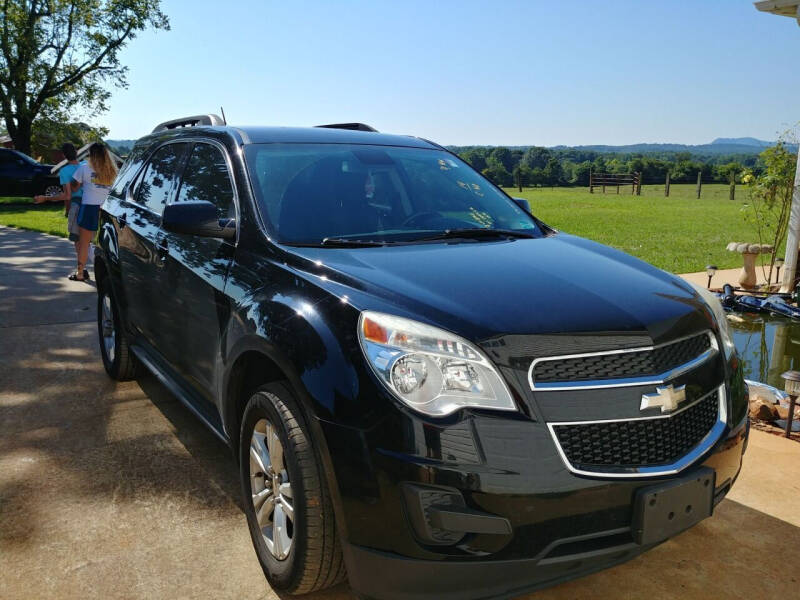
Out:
{"x": 6, "y": 188}
{"x": 196, "y": 270}
{"x": 15, "y": 178}
{"x": 141, "y": 250}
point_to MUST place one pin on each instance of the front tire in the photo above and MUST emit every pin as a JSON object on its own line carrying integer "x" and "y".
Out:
{"x": 118, "y": 360}
{"x": 286, "y": 500}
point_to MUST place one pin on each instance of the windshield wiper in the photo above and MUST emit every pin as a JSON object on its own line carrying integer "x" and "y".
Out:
{"x": 476, "y": 233}
{"x": 346, "y": 243}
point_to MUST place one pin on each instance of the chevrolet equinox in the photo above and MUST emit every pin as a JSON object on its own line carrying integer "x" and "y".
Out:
{"x": 428, "y": 390}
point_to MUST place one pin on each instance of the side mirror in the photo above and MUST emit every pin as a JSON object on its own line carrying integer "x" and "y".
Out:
{"x": 198, "y": 218}
{"x": 523, "y": 204}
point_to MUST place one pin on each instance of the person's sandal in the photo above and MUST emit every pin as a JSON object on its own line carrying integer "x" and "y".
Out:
{"x": 74, "y": 276}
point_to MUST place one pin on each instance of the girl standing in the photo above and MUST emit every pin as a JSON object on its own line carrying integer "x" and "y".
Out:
{"x": 95, "y": 178}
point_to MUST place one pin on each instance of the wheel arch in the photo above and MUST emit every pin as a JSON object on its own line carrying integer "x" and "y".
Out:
{"x": 100, "y": 268}
{"x": 257, "y": 363}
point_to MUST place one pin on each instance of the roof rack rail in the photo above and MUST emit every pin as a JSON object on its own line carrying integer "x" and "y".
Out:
{"x": 350, "y": 126}
{"x": 193, "y": 121}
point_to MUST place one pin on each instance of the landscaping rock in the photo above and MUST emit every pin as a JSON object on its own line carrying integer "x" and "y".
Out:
{"x": 783, "y": 412}
{"x": 763, "y": 410}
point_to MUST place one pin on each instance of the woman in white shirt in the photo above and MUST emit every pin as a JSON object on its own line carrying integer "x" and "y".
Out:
{"x": 95, "y": 177}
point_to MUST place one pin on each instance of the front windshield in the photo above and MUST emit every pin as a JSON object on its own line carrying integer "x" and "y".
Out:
{"x": 315, "y": 193}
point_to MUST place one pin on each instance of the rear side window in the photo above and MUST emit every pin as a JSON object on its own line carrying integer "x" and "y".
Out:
{"x": 159, "y": 176}
{"x": 128, "y": 171}
{"x": 206, "y": 178}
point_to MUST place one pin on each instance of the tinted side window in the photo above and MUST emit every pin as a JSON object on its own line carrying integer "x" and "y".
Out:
{"x": 159, "y": 176}
{"x": 128, "y": 171}
{"x": 206, "y": 178}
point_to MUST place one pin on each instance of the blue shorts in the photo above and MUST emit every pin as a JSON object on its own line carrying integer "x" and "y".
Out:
{"x": 88, "y": 216}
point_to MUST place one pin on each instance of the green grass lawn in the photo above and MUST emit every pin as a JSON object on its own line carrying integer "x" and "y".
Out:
{"x": 679, "y": 234}
{"x": 48, "y": 218}
{"x": 15, "y": 200}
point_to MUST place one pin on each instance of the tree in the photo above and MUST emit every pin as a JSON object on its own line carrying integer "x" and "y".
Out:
{"x": 536, "y": 157}
{"x": 580, "y": 175}
{"x": 552, "y": 172}
{"x": 502, "y": 156}
{"x": 57, "y": 56}
{"x": 727, "y": 173}
{"x": 771, "y": 196}
{"x": 498, "y": 174}
{"x": 476, "y": 158}
{"x": 521, "y": 174}
{"x": 47, "y": 135}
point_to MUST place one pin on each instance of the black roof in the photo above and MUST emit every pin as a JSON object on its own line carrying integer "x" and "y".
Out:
{"x": 324, "y": 135}
{"x": 289, "y": 135}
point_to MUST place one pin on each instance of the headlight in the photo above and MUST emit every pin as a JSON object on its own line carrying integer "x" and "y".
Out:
{"x": 715, "y": 305}
{"x": 428, "y": 369}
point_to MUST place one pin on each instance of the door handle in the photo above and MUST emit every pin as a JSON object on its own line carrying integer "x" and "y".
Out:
{"x": 122, "y": 220}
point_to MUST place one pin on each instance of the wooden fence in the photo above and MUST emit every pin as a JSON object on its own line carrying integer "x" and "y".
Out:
{"x": 615, "y": 180}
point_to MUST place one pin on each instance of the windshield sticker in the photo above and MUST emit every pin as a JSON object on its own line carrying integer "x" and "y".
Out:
{"x": 481, "y": 217}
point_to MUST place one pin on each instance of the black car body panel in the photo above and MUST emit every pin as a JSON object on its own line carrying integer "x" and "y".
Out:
{"x": 202, "y": 314}
{"x": 20, "y": 175}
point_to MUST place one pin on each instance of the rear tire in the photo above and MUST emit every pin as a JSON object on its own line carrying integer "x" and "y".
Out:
{"x": 118, "y": 360}
{"x": 286, "y": 499}
{"x": 52, "y": 190}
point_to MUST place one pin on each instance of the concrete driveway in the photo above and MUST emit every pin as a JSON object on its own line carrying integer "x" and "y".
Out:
{"x": 114, "y": 490}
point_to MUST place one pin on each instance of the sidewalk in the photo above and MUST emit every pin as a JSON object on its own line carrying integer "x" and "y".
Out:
{"x": 112, "y": 490}
{"x": 724, "y": 276}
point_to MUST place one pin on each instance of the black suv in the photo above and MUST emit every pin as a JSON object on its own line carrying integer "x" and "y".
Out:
{"x": 20, "y": 175}
{"x": 425, "y": 386}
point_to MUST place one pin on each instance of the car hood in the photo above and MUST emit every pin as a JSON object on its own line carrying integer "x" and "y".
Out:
{"x": 551, "y": 285}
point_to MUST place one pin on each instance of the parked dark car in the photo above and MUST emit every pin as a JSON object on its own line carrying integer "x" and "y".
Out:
{"x": 20, "y": 175}
{"x": 426, "y": 387}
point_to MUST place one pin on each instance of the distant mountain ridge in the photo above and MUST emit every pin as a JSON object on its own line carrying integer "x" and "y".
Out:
{"x": 120, "y": 146}
{"x": 744, "y": 141}
{"x": 747, "y": 146}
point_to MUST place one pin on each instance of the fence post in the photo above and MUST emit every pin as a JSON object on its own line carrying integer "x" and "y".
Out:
{"x": 591, "y": 189}
{"x": 666, "y": 187}
{"x": 732, "y": 194}
{"x": 639, "y": 184}
{"x": 699, "y": 183}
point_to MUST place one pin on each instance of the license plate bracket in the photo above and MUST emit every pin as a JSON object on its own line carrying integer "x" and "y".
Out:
{"x": 662, "y": 511}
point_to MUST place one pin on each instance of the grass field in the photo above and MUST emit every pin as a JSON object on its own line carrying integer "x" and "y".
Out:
{"x": 48, "y": 218}
{"x": 679, "y": 234}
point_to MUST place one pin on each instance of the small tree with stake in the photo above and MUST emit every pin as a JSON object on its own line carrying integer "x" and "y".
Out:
{"x": 56, "y": 56}
{"x": 771, "y": 197}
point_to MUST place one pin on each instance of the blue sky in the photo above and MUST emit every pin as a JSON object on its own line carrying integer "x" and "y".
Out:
{"x": 464, "y": 72}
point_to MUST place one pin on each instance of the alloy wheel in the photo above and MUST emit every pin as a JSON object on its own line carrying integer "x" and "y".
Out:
{"x": 271, "y": 490}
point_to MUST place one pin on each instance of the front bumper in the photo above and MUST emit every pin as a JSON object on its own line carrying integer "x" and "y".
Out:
{"x": 561, "y": 525}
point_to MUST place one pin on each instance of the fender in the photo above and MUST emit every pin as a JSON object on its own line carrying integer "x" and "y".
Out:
{"x": 294, "y": 333}
{"x": 106, "y": 260}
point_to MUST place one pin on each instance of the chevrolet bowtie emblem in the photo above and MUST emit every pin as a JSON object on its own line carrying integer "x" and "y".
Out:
{"x": 668, "y": 398}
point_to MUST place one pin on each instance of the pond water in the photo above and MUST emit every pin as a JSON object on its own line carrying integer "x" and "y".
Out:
{"x": 767, "y": 345}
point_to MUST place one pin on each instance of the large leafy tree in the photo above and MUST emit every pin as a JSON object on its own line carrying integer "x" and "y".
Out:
{"x": 61, "y": 56}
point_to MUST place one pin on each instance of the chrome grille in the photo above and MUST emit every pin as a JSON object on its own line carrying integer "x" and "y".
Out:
{"x": 645, "y": 442}
{"x": 645, "y": 362}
